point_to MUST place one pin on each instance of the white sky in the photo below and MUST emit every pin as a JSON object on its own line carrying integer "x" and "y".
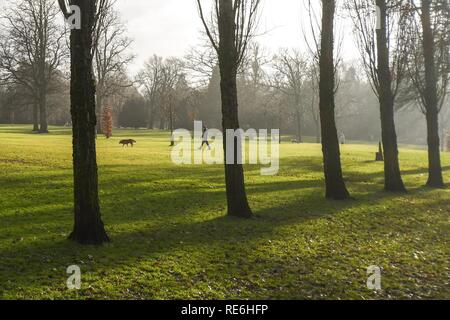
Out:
{"x": 170, "y": 27}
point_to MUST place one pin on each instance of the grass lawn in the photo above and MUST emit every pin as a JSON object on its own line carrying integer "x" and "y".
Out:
{"x": 172, "y": 240}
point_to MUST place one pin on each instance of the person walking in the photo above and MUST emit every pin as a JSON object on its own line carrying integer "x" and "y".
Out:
{"x": 205, "y": 138}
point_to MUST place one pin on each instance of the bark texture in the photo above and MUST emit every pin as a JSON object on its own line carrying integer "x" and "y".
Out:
{"x": 228, "y": 61}
{"x": 88, "y": 228}
{"x": 334, "y": 181}
{"x": 435, "y": 178}
{"x": 392, "y": 176}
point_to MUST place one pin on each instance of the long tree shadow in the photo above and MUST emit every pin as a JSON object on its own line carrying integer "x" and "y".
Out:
{"x": 148, "y": 216}
{"x": 352, "y": 176}
{"x": 176, "y": 228}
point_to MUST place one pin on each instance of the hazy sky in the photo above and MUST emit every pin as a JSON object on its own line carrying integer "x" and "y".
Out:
{"x": 170, "y": 27}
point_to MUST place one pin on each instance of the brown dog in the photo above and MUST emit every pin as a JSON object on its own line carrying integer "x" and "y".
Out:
{"x": 127, "y": 142}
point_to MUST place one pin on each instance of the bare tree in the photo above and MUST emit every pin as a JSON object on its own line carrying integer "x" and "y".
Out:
{"x": 253, "y": 66}
{"x": 335, "y": 185}
{"x": 254, "y": 91}
{"x": 171, "y": 75}
{"x": 313, "y": 103}
{"x": 311, "y": 29}
{"x": 429, "y": 71}
{"x": 236, "y": 24}
{"x": 88, "y": 227}
{"x": 380, "y": 31}
{"x": 292, "y": 67}
{"x": 32, "y": 51}
{"x": 200, "y": 62}
{"x": 150, "y": 81}
{"x": 325, "y": 50}
{"x": 159, "y": 81}
{"x": 110, "y": 55}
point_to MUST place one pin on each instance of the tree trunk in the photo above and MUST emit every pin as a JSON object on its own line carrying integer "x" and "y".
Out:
{"x": 228, "y": 61}
{"x": 299, "y": 125}
{"x": 435, "y": 178}
{"x": 334, "y": 181}
{"x": 280, "y": 122}
{"x": 392, "y": 176}
{"x": 88, "y": 228}
{"x": 42, "y": 66}
{"x": 151, "y": 116}
{"x": 171, "y": 125}
{"x": 35, "y": 116}
{"x": 43, "y": 112}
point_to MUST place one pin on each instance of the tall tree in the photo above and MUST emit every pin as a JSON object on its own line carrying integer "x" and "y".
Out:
{"x": 171, "y": 75}
{"x": 110, "y": 55}
{"x": 32, "y": 51}
{"x": 335, "y": 185}
{"x": 159, "y": 80}
{"x": 313, "y": 88}
{"x": 88, "y": 228}
{"x": 429, "y": 71}
{"x": 381, "y": 36}
{"x": 392, "y": 176}
{"x": 292, "y": 67}
{"x": 230, "y": 32}
{"x": 150, "y": 80}
{"x": 431, "y": 100}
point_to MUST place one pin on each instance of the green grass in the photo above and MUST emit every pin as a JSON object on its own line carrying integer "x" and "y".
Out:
{"x": 172, "y": 240}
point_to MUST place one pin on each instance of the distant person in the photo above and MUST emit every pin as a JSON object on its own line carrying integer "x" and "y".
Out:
{"x": 205, "y": 138}
{"x": 343, "y": 141}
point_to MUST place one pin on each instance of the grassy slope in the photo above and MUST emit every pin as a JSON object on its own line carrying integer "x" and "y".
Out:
{"x": 171, "y": 239}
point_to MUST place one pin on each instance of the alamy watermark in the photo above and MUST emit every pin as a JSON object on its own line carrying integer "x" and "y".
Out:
{"x": 73, "y": 21}
{"x": 263, "y": 148}
{"x": 374, "y": 279}
{"x": 74, "y": 280}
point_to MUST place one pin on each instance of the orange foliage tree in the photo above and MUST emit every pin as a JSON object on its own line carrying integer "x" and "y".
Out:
{"x": 107, "y": 122}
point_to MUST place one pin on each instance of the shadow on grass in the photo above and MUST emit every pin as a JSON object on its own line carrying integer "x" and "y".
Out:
{"x": 142, "y": 192}
{"x": 148, "y": 215}
{"x": 144, "y": 233}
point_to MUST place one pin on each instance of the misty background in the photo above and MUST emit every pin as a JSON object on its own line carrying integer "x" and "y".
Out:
{"x": 165, "y": 76}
